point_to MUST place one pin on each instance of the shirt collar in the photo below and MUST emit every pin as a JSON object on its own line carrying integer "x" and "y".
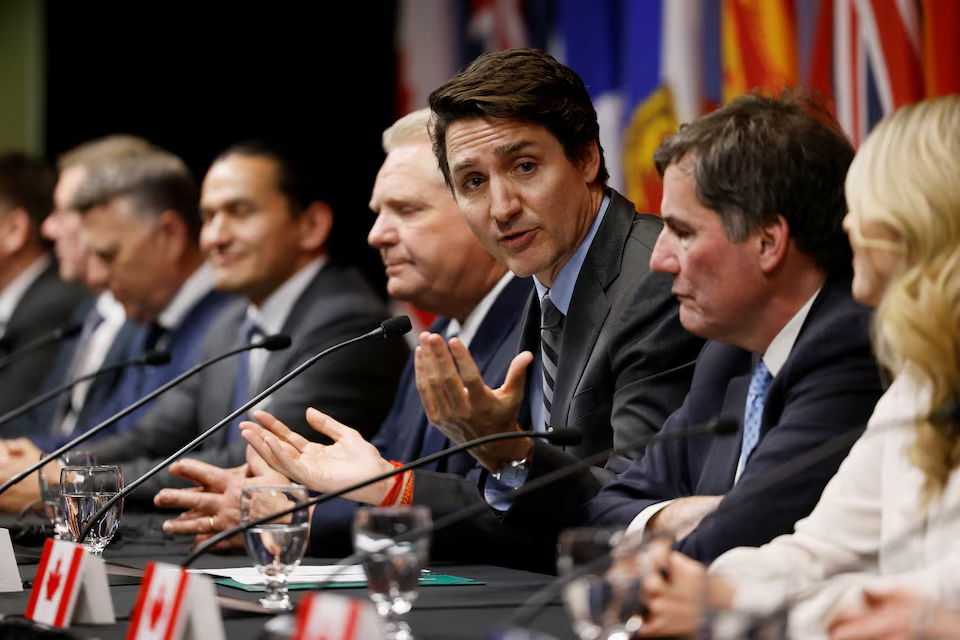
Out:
{"x": 562, "y": 290}
{"x": 109, "y": 309}
{"x": 13, "y": 292}
{"x": 273, "y": 313}
{"x": 779, "y": 350}
{"x": 198, "y": 285}
{"x": 468, "y": 329}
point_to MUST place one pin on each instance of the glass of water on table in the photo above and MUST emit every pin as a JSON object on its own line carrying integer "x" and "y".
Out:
{"x": 277, "y": 546}
{"x": 49, "y": 478}
{"x": 394, "y": 545}
{"x": 83, "y": 491}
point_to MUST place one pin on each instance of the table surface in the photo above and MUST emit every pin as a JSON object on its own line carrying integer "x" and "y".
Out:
{"x": 449, "y": 612}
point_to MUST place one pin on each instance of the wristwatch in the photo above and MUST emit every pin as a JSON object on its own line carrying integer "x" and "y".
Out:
{"x": 512, "y": 473}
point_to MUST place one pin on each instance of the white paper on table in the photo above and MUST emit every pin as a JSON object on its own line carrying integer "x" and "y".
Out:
{"x": 300, "y": 575}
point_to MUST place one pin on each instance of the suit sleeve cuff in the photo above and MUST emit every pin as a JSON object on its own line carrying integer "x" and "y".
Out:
{"x": 639, "y": 523}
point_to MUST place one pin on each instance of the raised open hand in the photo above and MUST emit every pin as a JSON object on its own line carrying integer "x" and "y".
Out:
{"x": 324, "y": 468}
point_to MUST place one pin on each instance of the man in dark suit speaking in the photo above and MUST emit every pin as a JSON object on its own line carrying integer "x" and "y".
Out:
{"x": 517, "y": 140}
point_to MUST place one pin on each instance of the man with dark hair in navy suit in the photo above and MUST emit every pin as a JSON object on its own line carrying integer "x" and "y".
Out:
{"x": 433, "y": 261}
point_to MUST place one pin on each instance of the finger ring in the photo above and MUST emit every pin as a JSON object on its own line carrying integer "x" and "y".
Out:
{"x": 212, "y": 528}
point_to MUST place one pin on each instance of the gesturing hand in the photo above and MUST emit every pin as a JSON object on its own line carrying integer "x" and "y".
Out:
{"x": 462, "y": 406}
{"x": 324, "y": 468}
{"x": 214, "y": 504}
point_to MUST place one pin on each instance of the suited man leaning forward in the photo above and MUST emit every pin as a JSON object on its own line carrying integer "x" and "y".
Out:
{"x": 106, "y": 332}
{"x": 141, "y": 227}
{"x": 433, "y": 261}
{"x": 517, "y": 140}
{"x": 265, "y": 233}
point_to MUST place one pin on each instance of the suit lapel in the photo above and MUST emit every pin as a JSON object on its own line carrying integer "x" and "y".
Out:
{"x": 720, "y": 466}
{"x": 529, "y": 341}
{"x": 589, "y": 306}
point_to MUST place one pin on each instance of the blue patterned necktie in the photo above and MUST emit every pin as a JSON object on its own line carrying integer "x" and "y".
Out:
{"x": 753, "y": 413}
{"x": 241, "y": 384}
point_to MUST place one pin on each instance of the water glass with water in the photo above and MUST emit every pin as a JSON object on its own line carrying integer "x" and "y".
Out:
{"x": 276, "y": 547}
{"x": 603, "y": 578}
{"x": 49, "y": 478}
{"x": 83, "y": 491}
{"x": 394, "y": 543}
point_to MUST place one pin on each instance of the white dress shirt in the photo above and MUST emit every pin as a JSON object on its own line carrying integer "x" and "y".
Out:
{"x": 199, "y": 284}
{"x": 272, "y": 315}
{"x": 870, "y": 529}
{"x": 12, "y": 294}
{"x": 774, "y": 357}
{"x": 468, "y": 329}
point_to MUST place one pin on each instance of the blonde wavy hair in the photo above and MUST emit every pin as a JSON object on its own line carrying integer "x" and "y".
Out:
{"x": 906, "y": 175}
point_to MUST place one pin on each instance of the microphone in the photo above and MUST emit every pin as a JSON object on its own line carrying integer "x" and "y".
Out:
{"x": 396, "y": 326}
{"x": 149, "y": 359}
{"x": 271, "y": 343}
{"x": 564, "y": 436}
{"x": 57, "y": 335}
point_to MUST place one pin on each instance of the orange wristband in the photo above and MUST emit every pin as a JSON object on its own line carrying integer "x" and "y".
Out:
{"x": 397, "y": 487}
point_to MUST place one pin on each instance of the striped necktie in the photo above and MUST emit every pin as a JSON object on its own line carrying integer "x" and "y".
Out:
{"x": 551, "y": 333}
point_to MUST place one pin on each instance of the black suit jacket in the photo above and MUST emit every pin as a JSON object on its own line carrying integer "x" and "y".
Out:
{"x": 827, "y": 388}
{"x": 407, "y": 435}
{"x": 355, "y": 385}
{"x": 46, "y": 305}
{"x": 625, "y": 361}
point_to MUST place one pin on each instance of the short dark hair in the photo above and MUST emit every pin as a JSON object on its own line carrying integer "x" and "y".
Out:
{"x": 27, "y": 182}
{"x": 157, "y": 181}
{"x": 758, "y": 157}
{"x": 519, "y": 84}
{"x": 293, "y": 176}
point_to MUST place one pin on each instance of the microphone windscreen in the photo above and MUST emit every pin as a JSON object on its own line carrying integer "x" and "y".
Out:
{"x": 396, "y": 326}
{"x": 565, "y": 437}
{"x": 276, "y": 342}
{"x": 153, "y": 358}
{"x": 70, "y": 330}
{"x": 723, "y": 425}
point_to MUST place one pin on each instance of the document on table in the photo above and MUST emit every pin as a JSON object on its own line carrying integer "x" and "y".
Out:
{"x": 300, "y": 575}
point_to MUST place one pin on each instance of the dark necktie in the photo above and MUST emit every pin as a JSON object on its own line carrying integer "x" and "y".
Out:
{"x": 241, "y": 384}
{"x": 551, "y": 333}
{"x": 157, "y": 338}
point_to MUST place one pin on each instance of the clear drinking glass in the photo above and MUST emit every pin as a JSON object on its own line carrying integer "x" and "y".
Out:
{"x": 603, "y": 582}
{"x": 395, "y": 546}
{"x": 83, "y": 491}
{"x": 276, "y": 547}
{"x": 49, "y": 478}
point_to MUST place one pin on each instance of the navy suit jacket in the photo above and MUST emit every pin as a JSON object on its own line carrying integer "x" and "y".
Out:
{"x": 183, "y": 345}
{"x": 407, "y": 435}
{"x": 827, "y": 388}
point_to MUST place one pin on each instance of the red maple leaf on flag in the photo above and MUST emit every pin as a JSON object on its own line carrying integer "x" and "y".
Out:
{"x": 156, "y": 609}
{"x": 53, "y": 581}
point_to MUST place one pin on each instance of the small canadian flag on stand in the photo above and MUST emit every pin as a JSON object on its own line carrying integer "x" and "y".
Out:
{"x": 174, "y": 604}
{"x": 70, "y": 586}
{"x": 324, "y": 616}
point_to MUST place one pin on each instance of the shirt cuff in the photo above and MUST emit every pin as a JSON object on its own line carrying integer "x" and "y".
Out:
{"x": 639, "y": 523}
{"x": 500, "y": 494}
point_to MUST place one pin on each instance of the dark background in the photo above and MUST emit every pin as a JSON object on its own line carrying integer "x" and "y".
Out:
{"x": 195, "y": 77}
